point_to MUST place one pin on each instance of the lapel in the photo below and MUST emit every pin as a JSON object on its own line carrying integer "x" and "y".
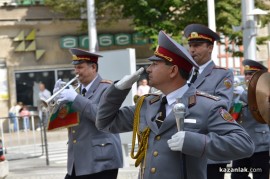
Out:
{"x": 170, "y": 120}
{"x": 206, "y": 72}
{"x": 93, "y": 87}
{"x": 152, "y": 112}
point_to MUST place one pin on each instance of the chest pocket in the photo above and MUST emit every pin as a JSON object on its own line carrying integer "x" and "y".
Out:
{"x": 102, "y": 149}
{"x": 193, "y": 125}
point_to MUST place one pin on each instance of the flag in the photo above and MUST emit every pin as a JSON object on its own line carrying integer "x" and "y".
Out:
{"x": 236, "y": 110}
{"x": 64, "y": 117}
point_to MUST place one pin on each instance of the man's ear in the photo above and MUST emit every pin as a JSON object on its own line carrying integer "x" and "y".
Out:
{"x": 211, "y": 46}
{"x": 174, "y": 71}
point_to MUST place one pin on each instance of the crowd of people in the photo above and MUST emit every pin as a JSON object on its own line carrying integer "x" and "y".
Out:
{"x": 20, "y": 111}
{"x": 211, "y": 137}
{"x": 17, "y": 112}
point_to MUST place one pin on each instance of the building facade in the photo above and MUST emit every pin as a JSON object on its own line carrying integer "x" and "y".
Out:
{"x": 34, "y": 45}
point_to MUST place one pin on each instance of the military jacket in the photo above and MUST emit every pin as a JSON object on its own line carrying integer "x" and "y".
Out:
{"x": 216, "y": 81}
{"x": 209, "y": 134}
{"x": 258, "y": 132}
{"x": 90, "y": 150}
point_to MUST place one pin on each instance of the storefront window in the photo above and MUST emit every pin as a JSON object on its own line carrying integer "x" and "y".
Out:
{"x": 27, "y": 83}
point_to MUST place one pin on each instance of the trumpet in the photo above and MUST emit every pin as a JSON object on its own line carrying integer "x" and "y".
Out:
{"x": 240, "y": 84}
{"x": 50, "y": 101}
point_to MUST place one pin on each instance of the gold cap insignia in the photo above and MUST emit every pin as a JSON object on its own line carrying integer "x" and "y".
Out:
{"x": 194, "y": 35}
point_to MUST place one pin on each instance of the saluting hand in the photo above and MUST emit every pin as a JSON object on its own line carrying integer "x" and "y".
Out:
{"x": 177, "y": 141}
{"x": 127, "y": 81}
{"x": 67, "y": 95}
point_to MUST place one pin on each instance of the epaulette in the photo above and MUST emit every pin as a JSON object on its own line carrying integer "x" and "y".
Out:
{"x": 155, "y": 98}
{"x": 219, "y": 67}
{"x": 136, "y": 97}
{"x": 106, "y": 81}
{"x": 201, "y": 93}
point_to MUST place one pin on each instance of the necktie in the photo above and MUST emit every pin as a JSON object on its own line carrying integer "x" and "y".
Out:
{"x": 194, "y": 76}
{"x": 161, "y": 112}
{"x": 83, "y": 92}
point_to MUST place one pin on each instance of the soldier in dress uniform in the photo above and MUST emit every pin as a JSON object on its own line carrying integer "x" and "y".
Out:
{"x": 163, "y": 152}
{"x": 258, "y": 132}
{"x": 210, "y": 78}
{"x": 92, "y": 154}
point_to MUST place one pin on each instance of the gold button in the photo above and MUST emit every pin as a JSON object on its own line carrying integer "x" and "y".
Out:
{"x": 153, "y": 170}
{"x": 155, "y": 153}
{"x": 158, "y": 137}
{"x": 73, "y": 131}
{"x": 74, "y": 141}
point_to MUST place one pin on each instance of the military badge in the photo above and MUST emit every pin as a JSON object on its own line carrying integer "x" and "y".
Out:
{"x": 226, "y": 115}
{"x": 194, "y": 35}
{"x": 247, "y": 67}
{"x": 228, "y": 83}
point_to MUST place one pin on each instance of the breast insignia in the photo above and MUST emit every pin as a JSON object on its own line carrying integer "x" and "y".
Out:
{"x": 191, "y": 101}
{"x": 201, "y": 93}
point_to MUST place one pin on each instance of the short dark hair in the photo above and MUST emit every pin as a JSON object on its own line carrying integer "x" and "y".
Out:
{"x": 90, "y": 63}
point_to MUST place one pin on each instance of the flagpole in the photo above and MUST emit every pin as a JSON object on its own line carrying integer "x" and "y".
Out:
{"x": 92, "y": 31}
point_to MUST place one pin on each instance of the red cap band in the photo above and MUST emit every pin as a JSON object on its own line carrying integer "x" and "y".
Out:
{"x": 173, "y": 58}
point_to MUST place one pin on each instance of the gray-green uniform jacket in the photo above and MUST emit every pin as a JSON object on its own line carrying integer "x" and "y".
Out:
{"x": 209, "y": 135}
{"x": 216, "y": 81}
{"x": 258, "y": 132}
{"x": 90, "y": 150}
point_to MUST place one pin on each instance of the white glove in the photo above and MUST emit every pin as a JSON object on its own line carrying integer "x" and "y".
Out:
{"x": 238, "y": 90}
{"x": 236, "y": 98}
{"x": 58, "y": 85}
{"x": 127, "y": 81}
{"x": 177, "y": 141}
{"x": 67, "y": 95}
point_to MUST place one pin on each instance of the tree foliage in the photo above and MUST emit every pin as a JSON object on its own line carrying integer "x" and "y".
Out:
{"x": 151, "y": 16}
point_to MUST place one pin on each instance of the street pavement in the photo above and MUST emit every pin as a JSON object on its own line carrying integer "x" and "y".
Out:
{"x": 29, "y": 161}
{"x": 33, "y": 164}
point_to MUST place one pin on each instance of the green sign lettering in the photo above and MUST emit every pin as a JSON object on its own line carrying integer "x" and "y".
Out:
{"x": 69, "y": 42}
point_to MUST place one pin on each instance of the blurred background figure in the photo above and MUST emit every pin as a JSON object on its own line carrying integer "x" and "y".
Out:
{"x": 42, "y": 110}
{"x": 25, "y": 114}
{"x": 259, "y": 132}
{"x": 13, "y": 114}
{"x": 43, "y": 92}
{"x": 143, "y": 87}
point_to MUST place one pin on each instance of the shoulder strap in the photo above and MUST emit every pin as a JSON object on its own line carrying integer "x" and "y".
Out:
{"x": 201, "y": 93}
{"x": 106, "y": 81}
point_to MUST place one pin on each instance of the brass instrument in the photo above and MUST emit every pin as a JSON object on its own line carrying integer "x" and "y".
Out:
{"x": 50, "y": 102}
{"x": 240, "y": 84}
{"x": 259, "y": 96}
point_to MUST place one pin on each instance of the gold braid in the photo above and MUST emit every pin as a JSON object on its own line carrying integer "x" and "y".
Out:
{"x": 142, "y": 138}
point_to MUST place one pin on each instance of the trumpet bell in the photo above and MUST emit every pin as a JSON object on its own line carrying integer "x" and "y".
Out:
{"x": 51, "y": 102}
